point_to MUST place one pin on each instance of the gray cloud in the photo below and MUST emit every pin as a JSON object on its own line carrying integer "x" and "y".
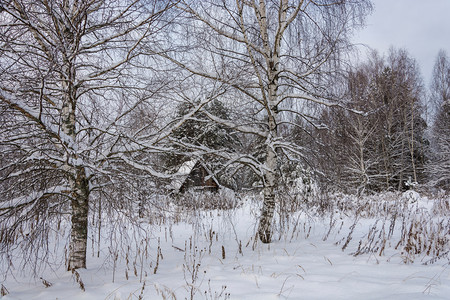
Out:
{"x": 422, "y": 27}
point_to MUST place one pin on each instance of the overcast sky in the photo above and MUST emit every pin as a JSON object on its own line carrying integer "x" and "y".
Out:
{"x": 420, "y": 26}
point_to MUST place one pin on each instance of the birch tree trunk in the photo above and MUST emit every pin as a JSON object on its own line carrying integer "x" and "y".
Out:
{"x": 270, "y": 184}
{"x": 272, "y": 58}
{"x": 79, "y": 218}
{"x": 77, "y": 179}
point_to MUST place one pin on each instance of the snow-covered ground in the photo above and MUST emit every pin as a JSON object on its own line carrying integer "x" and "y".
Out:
{"x": 213, "y": 255}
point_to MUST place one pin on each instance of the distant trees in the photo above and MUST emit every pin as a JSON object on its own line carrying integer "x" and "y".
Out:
{"x": 439, "y": 166}
{"x": 69, "y": 77}
{"x": 383, "y": 147}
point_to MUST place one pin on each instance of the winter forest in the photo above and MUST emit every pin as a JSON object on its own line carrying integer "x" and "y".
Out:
{"x": 217, "y": 149}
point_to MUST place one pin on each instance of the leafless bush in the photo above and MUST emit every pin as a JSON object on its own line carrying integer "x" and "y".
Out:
{"x": 3, "y": 291}
{"x": 214, "y": 295}
{"x": 32, "y": 242}
{"x": 402, "y": 223}
{"x": 191, "y": 267}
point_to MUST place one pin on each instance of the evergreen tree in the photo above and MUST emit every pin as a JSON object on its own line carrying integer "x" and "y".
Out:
{"x": 200, "y": 131}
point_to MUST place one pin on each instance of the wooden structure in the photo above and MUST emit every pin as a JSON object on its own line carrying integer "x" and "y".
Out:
{"x": 193, "y": 174}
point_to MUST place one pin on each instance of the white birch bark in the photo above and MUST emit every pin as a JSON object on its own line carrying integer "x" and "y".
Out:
{"x": 77, "y": 179}
{"x": 270, "y": 174}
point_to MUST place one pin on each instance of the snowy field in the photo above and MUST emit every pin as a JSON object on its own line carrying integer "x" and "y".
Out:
{"x": 331, "y": 253}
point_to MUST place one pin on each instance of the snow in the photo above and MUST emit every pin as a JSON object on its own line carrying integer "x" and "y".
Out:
{"x": 186, "y": 167}
{"x": 182, "y": 174}
{"x": 213, "y": 255}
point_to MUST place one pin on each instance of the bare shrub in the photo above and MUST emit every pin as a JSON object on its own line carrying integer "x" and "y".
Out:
{"x": 405, "y": 222}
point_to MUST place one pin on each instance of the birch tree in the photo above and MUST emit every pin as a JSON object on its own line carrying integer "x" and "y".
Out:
{"x": 70, "y": 73}
{"x": 440, "y": 81}
{"x": 438, "y": 168}
{"x": 400, "y": 91}
{"x": 273, "y": 57}
{"x": 360, "y": 158}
